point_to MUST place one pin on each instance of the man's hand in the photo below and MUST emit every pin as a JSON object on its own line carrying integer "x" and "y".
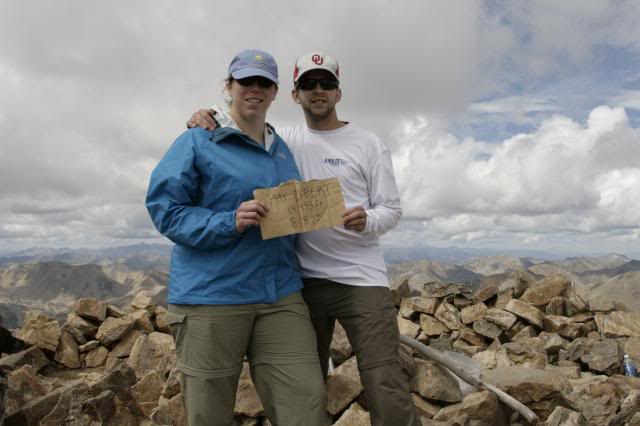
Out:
{"x": 249, "y": 214}
{"x": 355, "y": 218}
{"x": 204, "y": 119}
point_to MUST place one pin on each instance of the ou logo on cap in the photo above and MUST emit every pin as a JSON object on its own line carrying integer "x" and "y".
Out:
{"x": 317, "y": 59}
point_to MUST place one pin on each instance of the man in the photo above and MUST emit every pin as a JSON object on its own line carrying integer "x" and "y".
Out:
{"x": 343, "y": 269}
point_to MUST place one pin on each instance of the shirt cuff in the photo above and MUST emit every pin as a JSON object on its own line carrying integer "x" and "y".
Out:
{"x": 368, "y": 225}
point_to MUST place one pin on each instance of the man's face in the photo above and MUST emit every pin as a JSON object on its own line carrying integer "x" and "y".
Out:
{"x": 316, "y": 102}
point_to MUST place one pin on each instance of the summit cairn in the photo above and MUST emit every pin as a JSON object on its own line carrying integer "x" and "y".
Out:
{"x": 540, "y": 342}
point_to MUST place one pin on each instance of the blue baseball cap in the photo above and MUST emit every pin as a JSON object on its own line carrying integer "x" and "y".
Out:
{"x": 254, "y": 62}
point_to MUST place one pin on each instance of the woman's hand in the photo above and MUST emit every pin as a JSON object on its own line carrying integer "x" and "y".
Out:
{"x": 249, "y": 214}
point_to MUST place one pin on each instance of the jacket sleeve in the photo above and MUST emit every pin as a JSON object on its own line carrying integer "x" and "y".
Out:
{"x": 385, "y": 210}
{"x": 171, "y": 196}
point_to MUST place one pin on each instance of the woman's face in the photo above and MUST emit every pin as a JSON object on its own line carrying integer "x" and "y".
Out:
{"x": 250, "y": 97}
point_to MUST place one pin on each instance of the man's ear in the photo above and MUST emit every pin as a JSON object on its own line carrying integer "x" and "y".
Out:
{"x": 338, "y": 95}
{"x": 294, "y": 96}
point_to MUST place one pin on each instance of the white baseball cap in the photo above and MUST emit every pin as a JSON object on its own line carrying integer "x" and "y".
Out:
{"x": 315, "y": 61}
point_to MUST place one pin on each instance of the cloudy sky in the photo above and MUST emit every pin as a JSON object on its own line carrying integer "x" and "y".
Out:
{"x": 513, "y": 124}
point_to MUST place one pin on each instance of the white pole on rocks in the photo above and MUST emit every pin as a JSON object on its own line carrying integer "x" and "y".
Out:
{"x": 440, "y": 358}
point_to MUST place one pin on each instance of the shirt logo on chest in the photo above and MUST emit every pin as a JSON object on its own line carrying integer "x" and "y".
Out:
{"x": 335, "y": 162}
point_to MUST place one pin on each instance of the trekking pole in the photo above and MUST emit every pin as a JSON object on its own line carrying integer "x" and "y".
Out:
{"x": 440, "y": 358}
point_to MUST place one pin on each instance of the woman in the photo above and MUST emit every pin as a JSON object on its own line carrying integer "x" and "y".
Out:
{"x": 231, "y": 293}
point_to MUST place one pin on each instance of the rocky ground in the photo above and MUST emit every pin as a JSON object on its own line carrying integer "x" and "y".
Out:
{"x": 539, "y": 341}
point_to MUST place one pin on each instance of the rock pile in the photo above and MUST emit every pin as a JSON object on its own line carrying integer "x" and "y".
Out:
{"x": 102, "y": 365}
{"x": 539, "y": 341}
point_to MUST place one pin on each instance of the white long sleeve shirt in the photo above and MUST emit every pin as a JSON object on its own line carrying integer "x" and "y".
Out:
{"x": 362, "y": 164}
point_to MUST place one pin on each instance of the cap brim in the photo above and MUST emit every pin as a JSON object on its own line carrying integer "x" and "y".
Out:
{"x": 318, "y": 68}
{"x": 252, "y": 72}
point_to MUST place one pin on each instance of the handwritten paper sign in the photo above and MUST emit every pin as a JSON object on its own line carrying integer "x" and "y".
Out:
{"x": 297, "y": 206}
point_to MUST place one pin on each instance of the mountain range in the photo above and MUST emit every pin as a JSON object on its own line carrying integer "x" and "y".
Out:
{"x": 51, "y": 280}
{"x": 137, "y": 256}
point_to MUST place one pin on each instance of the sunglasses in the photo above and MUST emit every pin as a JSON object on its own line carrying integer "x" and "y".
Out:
{"x": 265, "y": 83}
{"x": 310, "y": 84}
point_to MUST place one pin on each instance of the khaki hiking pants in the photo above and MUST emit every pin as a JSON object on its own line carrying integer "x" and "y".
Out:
{"x": 279, "y": 342}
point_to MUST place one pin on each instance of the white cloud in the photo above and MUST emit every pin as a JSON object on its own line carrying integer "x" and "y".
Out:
{"x": 513, "y": 105}
{"x": 513, "y": 109}
{"x": 555, "y": 34}
{"x": 92, "y": 94}
{"x": 629, "y": 99}
{"x": 563, "y": 177}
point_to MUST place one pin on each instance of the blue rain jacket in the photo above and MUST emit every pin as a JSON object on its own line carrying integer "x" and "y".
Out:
{"x": 192, "y": 198}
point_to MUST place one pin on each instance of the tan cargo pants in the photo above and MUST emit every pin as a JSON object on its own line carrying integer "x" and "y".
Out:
{"x": 279, "y": 342}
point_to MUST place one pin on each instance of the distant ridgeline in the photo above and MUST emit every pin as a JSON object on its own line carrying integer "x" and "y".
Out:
{"x": 50, "y": 280}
